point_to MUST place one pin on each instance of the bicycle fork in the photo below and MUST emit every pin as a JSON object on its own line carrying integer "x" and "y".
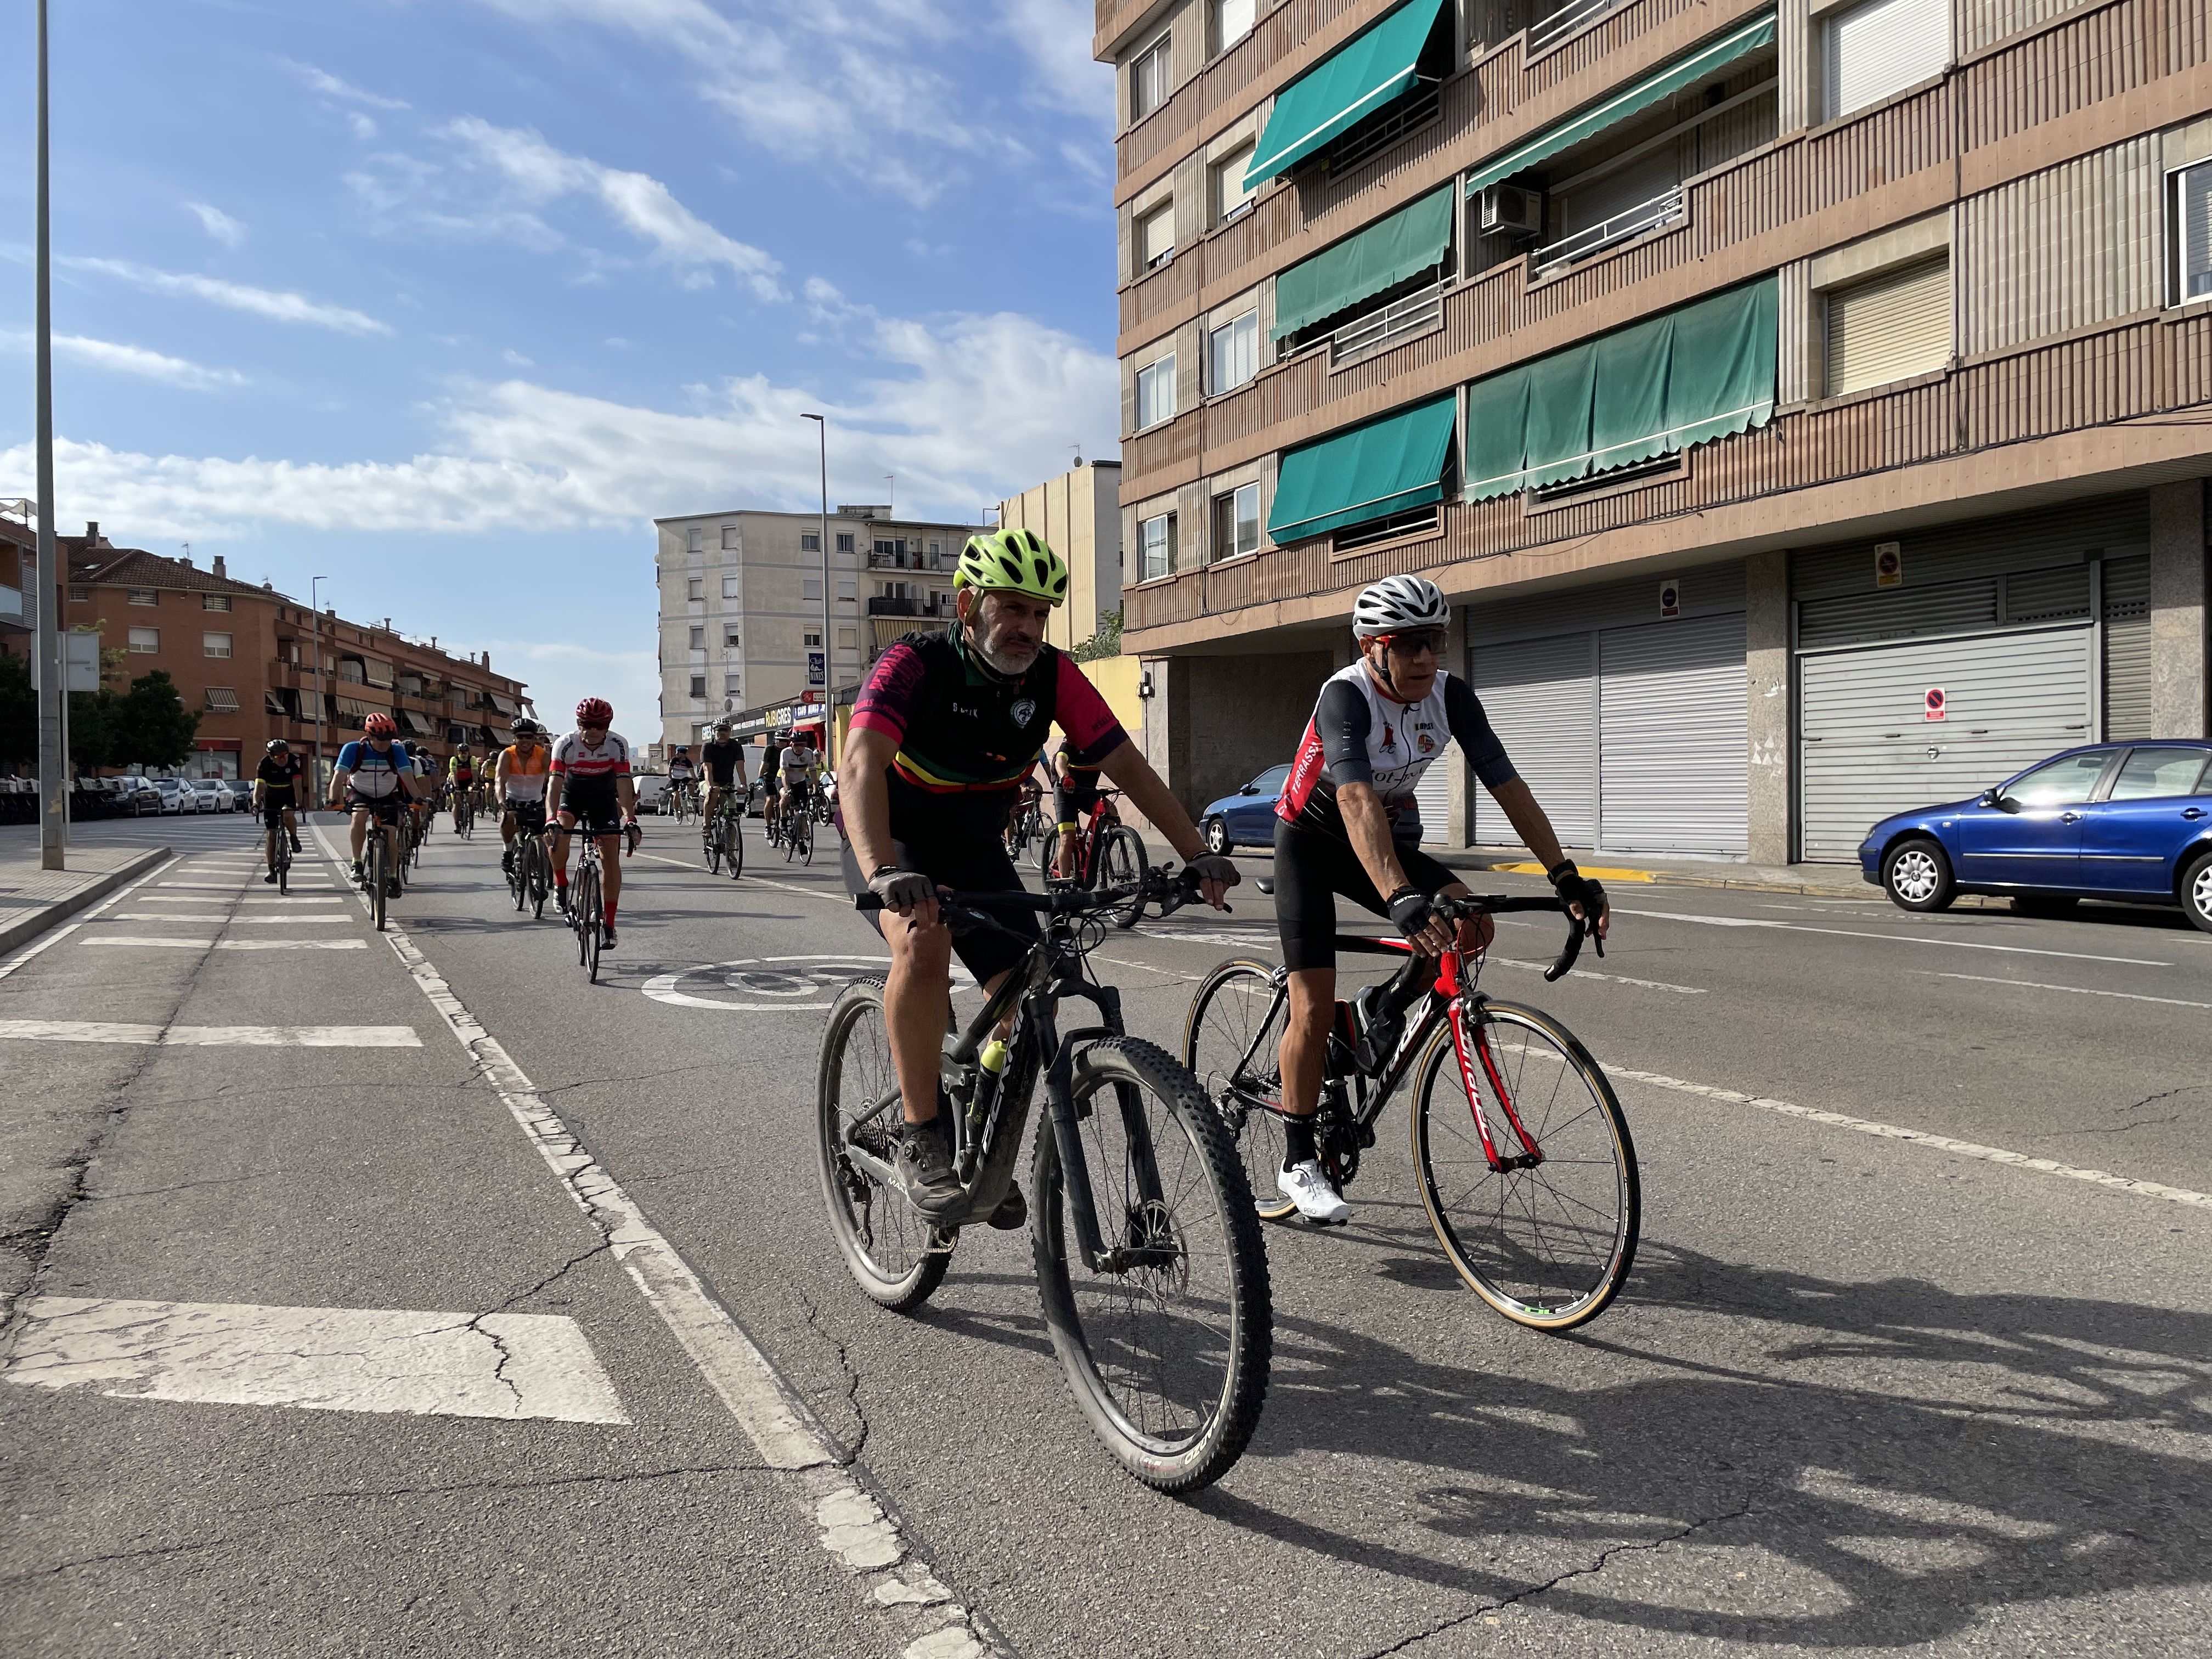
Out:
{"x": 1099, "y": 1257}
{"x": 1470, "y": 1046}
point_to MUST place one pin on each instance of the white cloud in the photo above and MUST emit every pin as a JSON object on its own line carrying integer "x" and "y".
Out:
{"x": 218, "y": 224}
{"x": 1055, "y": 34}
{"x": 515, "y": 359}
{"x": 137, "y": 360}
{"x": 331, "y": 87}
{"x": 285, "y": 308}
{"x": 363, "y": 128}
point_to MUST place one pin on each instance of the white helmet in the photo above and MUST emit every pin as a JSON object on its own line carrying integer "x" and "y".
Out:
{"x": 1400, "y": 602}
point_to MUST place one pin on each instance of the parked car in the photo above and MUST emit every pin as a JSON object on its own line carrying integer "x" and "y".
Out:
{"x": 134, "y": 794}
{"x": 177, "y": 796}
{"x": 2131, "y": 822}
{"x": 212, "y": 796}
{"x": 241, "y": 794}
{"x": 1246, "y": 819}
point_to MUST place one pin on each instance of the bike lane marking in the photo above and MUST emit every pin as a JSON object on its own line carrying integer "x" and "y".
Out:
{"x": 785, "y": 979}
{"x": 2077, "y": 990}
{"x": 210, "y": 1036}
{"x": 1887, "y": 938}
{"x": 852, "y": 1523}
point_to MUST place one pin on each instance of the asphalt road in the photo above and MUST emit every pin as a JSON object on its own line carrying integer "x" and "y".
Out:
{"x": 1864, "y": 1390}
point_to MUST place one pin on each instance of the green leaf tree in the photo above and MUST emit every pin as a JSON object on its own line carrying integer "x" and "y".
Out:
{"x": 1106, "y": 643}
{"x": 19, "y": 714}
{"x": 152, "y": 726}
{"x": 94, "y": 720}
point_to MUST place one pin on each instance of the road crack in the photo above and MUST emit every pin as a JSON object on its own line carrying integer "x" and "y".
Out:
{"x": 847, "y": 1454}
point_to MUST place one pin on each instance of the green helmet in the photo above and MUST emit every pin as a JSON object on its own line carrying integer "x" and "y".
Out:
{"x": 1014, "y": 561}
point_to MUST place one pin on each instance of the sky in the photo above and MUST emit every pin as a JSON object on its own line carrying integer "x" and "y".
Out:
{"x": 446, "y": 299}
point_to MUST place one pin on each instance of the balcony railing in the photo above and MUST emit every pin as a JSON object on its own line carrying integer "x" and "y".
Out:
{"x": 1380, "y": 330}
{"x": 1633, "y": 221}
{"x": 1566, "y": 21}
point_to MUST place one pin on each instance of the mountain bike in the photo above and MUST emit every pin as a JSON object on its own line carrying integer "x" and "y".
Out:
{"x": 1148, "y": 1259}
{"x": 1108, "y": 854}
{"x": 724, "y": 839}
{"x": 376, "y": 865}
{"x": 1523, "y": 1159}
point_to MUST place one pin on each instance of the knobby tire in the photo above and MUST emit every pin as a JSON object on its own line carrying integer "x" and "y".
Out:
{"x": 885, "y": 1242}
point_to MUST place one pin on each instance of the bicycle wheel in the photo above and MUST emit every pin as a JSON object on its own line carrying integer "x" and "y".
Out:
{"x": 885, "y": 1242}
{"x": 1122, "y": 864}
{"x": 584, "y": 916}
{"x": 1166, "y": 1347}
{"x": 517, "y": 874}
{"x": 712, "y": 844}
{"x": 1048, "y": 854}
{"x": 805, "y": 837}
{"x": 541, "y": 877}
{"x": 735, "y": 854}
{"x": 1232, "y": 1042}
{"x": 1549, "y": 1245}
{"x": 379, "y": 856}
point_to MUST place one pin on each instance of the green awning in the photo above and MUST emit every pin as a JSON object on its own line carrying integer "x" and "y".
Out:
{"x": 1379, "y": 257}
{"x": 1371, "y": 471}
{"x": 1347, "y": 85}
{"x": 1677, "y": 381}
{"x": 1622, "y": 105}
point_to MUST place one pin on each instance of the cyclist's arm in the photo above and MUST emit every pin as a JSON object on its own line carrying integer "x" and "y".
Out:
{"x": 339, "y": 779}
{"x": 867, "y": 797}
{"x": 626, "y": 792}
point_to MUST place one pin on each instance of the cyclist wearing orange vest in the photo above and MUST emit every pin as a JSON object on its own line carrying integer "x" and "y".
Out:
{"x": 519, "y": 776}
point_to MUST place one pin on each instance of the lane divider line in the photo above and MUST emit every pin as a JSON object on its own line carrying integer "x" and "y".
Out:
{"x": 1921, "y": 1138}
{"x": 210, "y": 1036}
{"x": 2078, "y": 990}
{"x": 1887, "y": 938}
{"x": 852, "y": 1523}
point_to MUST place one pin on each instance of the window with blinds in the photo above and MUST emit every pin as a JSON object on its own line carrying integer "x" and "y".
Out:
{"x": 1873, "y": 50}
{"x": 1156, "y": 237}
{"x": 1890, "y": 327}
{"x": 2191, "y": 237}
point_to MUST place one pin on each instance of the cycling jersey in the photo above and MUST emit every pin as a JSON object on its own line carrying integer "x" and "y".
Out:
{"x": 526, "y": 774}
{"x": 967, "y": 738}
{"x": 799, "y": 762}
{"x": 580, "y": 762}
{"x": 721, "y": 761}
{"x": 679, "y": 771}
{"x": 279, "y": 779}
{"x": 374, "y": 775}
{"x": 463, "y": 771}
{"x": 1361, "y": 734}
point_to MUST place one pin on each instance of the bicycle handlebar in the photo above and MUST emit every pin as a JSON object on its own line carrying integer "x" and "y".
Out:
{"x": 1171, "y": 892}
{"x": 1578, "y": 927}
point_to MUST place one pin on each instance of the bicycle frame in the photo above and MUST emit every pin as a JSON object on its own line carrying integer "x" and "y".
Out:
{"x": 1100, "y": 816}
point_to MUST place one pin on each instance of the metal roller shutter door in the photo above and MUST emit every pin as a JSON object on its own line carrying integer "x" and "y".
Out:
{"x": 2127, "y": 649}
{"x": 1673, "y": 738}
{"x": 1542, "y": 699}
{"x": 1433, "y": 795}
{"x": 1867, "y": 752}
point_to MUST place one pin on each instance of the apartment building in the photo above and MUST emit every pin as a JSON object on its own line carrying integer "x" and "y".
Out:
{"x": 253, "y": 663}
{"x": 741, "y": 604}
{"x": 1080, "y": 515}
{"x": 1802, "y": 401}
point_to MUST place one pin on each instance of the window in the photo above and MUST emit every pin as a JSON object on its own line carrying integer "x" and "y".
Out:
{"x": 729, "y": 685}
{"x": 845, "y": 589}
{"x": 214, "y": 601}
{"x": 1890, "y": 327}
{"x": 1878, "y": 48}
{"x": 809, "y": 541}
{"x": 694, "y": 587}
{"x": 1231, "y": 195}
{"x": 1232, "y": 21}
{"x": 848, "y": 639}
{"x": 215, "y": 644}
{"x": 146, "y": 640}
{"x": 2191, "y": 210}
{"x": 698, "y": 685}
{"x": 813, "y": 638}
{"x": 2065, "y": 782}
{"x": 698, "y": 637}
{"x": 80, "y": 594}
{"x": 936, "y": 551}
{"x": 729, "y": 587}
{"x": 1156, "y": 237}
{"x": 2153, "y": 773}
{"x": 1232, "y": 353}
{"x": 1156, "y": 540}
{"x": 844, "y": 541}
{"x": 810, "y": 587}
{"x": 1148, "y": 80}
{"x": 729, "y": 538}
{"x": 144, "y": 596}
{"x": 1156, "y": 392}
{"x": 694, "y": 540}
{"x": 1236, "y": 522}
{"x": 730, "y": 638}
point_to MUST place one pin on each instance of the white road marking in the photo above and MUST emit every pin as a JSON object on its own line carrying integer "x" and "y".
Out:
{"x": 234, "y": 943}
{"x": 758, "y": 977}
{"x": 1581, "y": 972}
{"x": 212, "y": 1037}
{"x": 319, "y": 883}
{"x": 1887, "y": 938}
{"x": 45, "y": 944}
{"x": 2077, "y": 990}
{"x": 296, "y": 902}
{"x": 1920, "y": 1137}
{"x": 333, "y": 1359}
{"x": 325, "y": 916}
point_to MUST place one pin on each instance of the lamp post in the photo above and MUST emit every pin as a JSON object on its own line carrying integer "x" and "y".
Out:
{"x": 315, "y": 609}
{"x": 829, "y": 671}
{"x": 54, "y": 750}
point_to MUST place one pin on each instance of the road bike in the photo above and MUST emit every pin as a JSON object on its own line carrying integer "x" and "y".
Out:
{"x": 1148, "y": 1259}
{"x": 586, "y": 911}
{"x": 1108, "y": 854}
{"x": 464, "y": 814}
{"x": 1522, "y": 1156}
{"x": 530, "y": 877}
{"x": 279, "y": 846}
{"x": 680, "y": 801}
{"x": 797, "y": 836}
{"x": 1023, "y": 825}
{"x": 724, "y": 838}
{"x": 376, "y": 870}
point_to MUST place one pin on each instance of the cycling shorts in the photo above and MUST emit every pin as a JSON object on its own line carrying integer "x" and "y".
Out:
{"x": 966, "y": 864}
{"x": 1311, "y": 868}
{"x": 529, "y": 815}
{"x": 1073, "y": 797}
{"x": 385, "y": 809}
{"x": 597, "y": 812}
{"x": 273, "y": 811}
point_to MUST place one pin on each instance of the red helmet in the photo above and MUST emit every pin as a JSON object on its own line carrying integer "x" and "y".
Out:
{"x": 595, "y": 711}
{"x": 380, "y": 726}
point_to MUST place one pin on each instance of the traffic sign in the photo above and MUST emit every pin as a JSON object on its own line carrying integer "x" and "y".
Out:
{"x": 1933, "y": 703}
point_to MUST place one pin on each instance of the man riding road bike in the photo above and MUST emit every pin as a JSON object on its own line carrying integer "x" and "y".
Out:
{"x": 375, "y": 779}
{"x": 724, "y": 758}
{"x": 591, "y": 792}
{"x": 518, "y": 779}
{"x": 942, "y": 734}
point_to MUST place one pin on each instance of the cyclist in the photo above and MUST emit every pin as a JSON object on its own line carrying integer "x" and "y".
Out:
{"x": 375, "y": 776}
{"x": 460, "y": 780}
{"x": 1074, "y": 792}
{"x": 771, "y": 781}
{"x": 681, "y": 775}
{"x": 590, "y": 789}
{"x": 275, "y": 796}
{"x": 519, "y": 774}
{"x": 426, "y": 796}
{"x": 801, "y": 760}
{"x": 724, "y": 758}
{"x": 1348, "y": 822}
{"x": 942, "y": 734}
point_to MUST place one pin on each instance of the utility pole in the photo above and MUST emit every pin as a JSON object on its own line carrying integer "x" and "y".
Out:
{"x": 829, "y": 661}
{"x": 53, "y": 752}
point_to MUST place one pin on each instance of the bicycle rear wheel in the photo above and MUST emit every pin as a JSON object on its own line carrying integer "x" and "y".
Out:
{"x": 541, "y": 877}
{"x": 713, "y": 849}
{"x": 379, "y": 856}
{"x": 1166, "y": 1347}
{"x": 885, "y": 1242}
{"x": 1548, "y": 1246}
{"x": 584, "y": 908}
{"x": 1122, "y": 864}
{"x": 1232, "y": 1042}
{"x": 735, "y": 852}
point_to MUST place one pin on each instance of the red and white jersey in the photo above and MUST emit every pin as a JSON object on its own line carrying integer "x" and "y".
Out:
{"x": 1361, "y": 734}
{"x": 578, "y": 762}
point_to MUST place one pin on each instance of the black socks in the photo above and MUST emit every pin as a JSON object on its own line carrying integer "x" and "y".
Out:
{"x": 1297, "y": 1141}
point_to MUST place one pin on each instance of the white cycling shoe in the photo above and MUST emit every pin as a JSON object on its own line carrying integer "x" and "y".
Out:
{"x": 1305, "y": 1185}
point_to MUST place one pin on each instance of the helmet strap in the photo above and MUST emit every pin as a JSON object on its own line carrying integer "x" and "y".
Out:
{"x": 1387, "y": 679}
{"x": 971, "y": 654}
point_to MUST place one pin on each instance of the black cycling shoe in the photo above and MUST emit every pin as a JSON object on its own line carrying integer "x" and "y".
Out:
{"x": 295, "y": 843}
{"x": 392, "y": 887}
{"x": 270, "y": 878}
{"x": 561, "y": 900}
{"x": 1013, "y": 1211}
{"x": 607, "y": 936}
{"x": 923, "y": 1164}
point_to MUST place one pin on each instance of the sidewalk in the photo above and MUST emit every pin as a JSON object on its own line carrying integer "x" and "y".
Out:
{"x": 1829, "y": 878}
{"x": 32, "y": 900}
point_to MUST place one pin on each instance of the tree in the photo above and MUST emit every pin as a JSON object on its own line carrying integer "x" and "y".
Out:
{"x": 1106, "y": 643}
{"x": 19, "y": 714}
{"x": 152, "y": 726}
{"x": 94, "y": 718}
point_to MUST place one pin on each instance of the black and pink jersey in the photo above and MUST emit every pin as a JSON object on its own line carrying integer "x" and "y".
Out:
{"x": 579, "y": 764}
{"x": 1359, "y": 733}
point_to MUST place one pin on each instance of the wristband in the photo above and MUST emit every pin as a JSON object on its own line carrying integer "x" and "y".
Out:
{"x": 1564, "y": 867}
{"x": 884, "y": 870}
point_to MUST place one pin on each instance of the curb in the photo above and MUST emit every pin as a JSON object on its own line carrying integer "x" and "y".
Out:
{"x": 1673, "y": 878}
{"x": 19, "y": 933}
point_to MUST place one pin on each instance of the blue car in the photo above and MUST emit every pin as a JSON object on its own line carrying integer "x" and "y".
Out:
{"x": 2131, "y": 822}
{"x": 1246, "y": 819}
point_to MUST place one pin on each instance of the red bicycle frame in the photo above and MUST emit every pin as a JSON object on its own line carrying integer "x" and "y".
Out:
{"x": 1452, "y": 986}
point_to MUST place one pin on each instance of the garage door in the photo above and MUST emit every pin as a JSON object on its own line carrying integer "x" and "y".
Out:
{"x": 1542, "y": 698}
{"x": 1672, "y": 737}
{"x": 1868, "y": 749}
{"x": 1433, "y": 795}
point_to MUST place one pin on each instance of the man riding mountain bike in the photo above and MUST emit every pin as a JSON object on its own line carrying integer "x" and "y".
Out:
{"x": 942, "y": 734}
{"x": 724, "y": 758}
{"x": 1348, "y": 822}
{"x": 375, "y": 779}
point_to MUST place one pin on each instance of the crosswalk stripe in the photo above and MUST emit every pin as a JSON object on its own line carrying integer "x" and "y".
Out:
{"x": 211, "y": 1037}
{"x": 232, "y": 944}
{"x": 296, "y": 901}
{"x": 235, "y": 922}
{"x": 321, "y": 884}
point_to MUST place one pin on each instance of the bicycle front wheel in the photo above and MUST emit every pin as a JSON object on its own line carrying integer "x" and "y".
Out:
{"x": 1122, "y": 864}
{"x": 1232, "y": 1042}
{"x": 1549, "y": 1244}
{"x": 733, "y": 851}
{"x": 885, "y": 1242}
{"x": 1166, "y": 1344}
{"x": 379, "y": 855}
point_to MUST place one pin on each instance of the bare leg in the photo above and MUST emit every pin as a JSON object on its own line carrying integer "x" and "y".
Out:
{"x": 1305, "y": 1038}
{"x": 917, "y": 1001}
{"x": 611, "y": 857}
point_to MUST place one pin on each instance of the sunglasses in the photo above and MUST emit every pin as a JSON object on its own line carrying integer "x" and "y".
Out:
{"x": 1428, "y": 640}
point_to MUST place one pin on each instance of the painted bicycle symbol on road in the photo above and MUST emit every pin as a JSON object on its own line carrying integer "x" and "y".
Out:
{"x": 771, "y": 985}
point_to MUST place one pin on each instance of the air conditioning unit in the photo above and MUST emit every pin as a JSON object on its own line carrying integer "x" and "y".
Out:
{"x": 1510, "y": 210}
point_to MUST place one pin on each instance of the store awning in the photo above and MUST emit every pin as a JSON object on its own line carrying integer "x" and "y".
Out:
{"x": 376, "y": 670}
{"x": 221, "y": 699}
{"x": 1371, "y": 471}
{"x": 1661, "y": 84}
{"x": 1386, "y": 253}
{"x": 1677, "y": 381}
{"x": 1345, "y": 87}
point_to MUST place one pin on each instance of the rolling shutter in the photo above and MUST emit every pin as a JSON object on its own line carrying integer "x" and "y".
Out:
{"x": 1892, "y": 328}
{"x": 1673, "y": 735}
{"x": 1432, "y": 794}
{"x": 2127, "y": 649}
{"x": 1542, "y": 699}
{"x": 1880, "y": 48}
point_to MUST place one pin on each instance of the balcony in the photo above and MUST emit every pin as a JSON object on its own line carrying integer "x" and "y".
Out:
{"x": 1662, "y": 209}
{"x": 879, "y": 606}
{"x": 11, "y": 605}
{"x": 1568, "y": 20}
{"x": 1378, "y": 331}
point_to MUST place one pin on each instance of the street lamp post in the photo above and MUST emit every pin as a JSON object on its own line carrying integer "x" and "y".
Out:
{"x": 53, "y": 751}
{"x": 315, "y": 609}
{"x": 829, "y": 660}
